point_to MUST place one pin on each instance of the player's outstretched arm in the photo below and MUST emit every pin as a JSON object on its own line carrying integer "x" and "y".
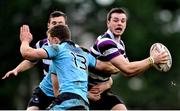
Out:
{"x": 23, "y": 66}
{"x": 134, "y": 68}
{"x": 106, "y": 67}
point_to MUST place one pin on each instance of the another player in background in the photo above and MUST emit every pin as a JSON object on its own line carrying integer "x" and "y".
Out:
{"x": 55, "y": 18}
{"x": 110, "y": 47}
{"x": 70, "y": 63}
{"x": 42, "y": 96}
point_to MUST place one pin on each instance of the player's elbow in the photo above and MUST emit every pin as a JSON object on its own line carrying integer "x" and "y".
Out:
{"x": 112, "y": 70}
{"x": 27, "y": 55}
{"x": 24, "y": 52}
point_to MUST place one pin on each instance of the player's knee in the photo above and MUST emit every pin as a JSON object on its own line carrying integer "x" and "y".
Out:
{"x": 32, "y": 108}
{"x": 119, "y": 107}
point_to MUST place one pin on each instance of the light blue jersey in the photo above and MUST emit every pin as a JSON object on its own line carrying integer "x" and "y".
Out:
{"x": 71, "y": 65}
{"x": 46, "y": 83}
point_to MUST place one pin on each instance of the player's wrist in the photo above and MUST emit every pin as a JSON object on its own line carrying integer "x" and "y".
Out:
{"x": 25, "y": 42}
{"x": 151, "y": 60}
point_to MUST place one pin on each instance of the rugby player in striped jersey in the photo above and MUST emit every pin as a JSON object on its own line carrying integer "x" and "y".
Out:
{"x": 110, "y": 47}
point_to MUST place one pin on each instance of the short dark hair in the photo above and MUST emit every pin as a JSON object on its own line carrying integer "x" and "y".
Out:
{"x": 60, "y": 31}
{"x": 57, "y": 14}
{"x": 116, "y": 10}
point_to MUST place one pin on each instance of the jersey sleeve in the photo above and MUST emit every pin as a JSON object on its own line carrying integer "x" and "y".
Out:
{"x": 108, "y": 48}
{"x": 51, "y": 50}
{"x": 92, "y": 61}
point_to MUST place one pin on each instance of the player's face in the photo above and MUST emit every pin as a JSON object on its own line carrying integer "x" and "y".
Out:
{"x": 117, "y": 24}
{"x": 52, "y": 40}
{"x": 56, "y": 21}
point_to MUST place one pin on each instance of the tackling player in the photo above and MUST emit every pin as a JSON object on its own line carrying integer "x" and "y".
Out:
{"x": 70, "y": 63}
{"x": 41, "y": 97}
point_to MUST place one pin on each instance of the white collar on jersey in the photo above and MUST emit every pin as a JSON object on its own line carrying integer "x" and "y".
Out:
{"x": 112, "y": 36}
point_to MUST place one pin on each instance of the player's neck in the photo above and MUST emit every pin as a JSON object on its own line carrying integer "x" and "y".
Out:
{"x": 117, "y": 38}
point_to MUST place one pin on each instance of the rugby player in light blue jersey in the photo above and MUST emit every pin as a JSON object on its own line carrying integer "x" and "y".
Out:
{"x": 40, "y": 100}
{"x": 46, "y": 84}
{"x": 70, "y": 63}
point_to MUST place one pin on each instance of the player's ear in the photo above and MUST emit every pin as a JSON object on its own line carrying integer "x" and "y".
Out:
{"x": 56, "y": 40}
{"x": 107, "y": 23}
{"x": 48, "y": 25}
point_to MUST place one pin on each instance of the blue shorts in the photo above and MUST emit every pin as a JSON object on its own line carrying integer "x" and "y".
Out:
{"x": 69, "y": 101}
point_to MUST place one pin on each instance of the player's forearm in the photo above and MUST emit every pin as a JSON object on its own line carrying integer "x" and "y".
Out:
{"x": 24, "y": 49}
{"x": 133, "y": 68}
{"x": 24, "y": 65}
{"x": 55, "y": 85}
{"x": 27, "y": 51}
{"x": 137, "y": 67}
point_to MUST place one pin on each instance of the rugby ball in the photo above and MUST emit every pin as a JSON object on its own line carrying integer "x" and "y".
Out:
{"x": 160, "y": 48}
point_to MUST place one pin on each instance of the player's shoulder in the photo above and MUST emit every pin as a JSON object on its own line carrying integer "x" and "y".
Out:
{"x": 55, "y": 47}
{"x": 105, "y": 40}
{"x": 104, "y": 36}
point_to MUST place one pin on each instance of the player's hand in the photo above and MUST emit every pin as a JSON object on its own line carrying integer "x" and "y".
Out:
{"x": 93, "y": 96}
{"x": 12, "y": 72}
{"x": 25, "y": 34}
{"x": 100, "y": 88}
{"x": 159, "y": 57}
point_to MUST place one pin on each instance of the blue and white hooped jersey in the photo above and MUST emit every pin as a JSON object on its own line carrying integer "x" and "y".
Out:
{"x": 104, "y": 49}
{"x": 45, "y": 62}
